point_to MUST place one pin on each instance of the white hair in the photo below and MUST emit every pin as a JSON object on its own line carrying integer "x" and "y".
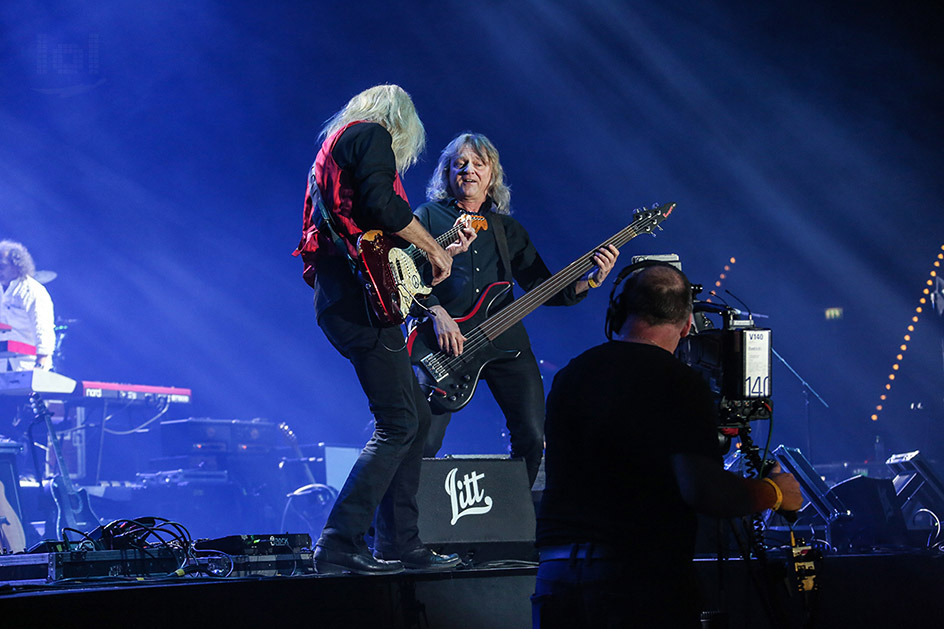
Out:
{"x": 392, "y": 107}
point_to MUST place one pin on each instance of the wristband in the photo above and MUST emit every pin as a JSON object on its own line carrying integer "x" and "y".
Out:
{"x": 779, "y": 494}
{"x": 593, "y": 282}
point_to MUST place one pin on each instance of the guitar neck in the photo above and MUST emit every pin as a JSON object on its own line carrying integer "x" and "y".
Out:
{"x": 520, "y": 308}
{"x": 289, "y": 435}
{"x": 39, "y": 406}
{"x": 301, "y": 457}
{"x": 419, "y": 256}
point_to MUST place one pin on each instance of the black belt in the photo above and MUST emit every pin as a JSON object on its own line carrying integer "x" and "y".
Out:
{"x": 578, "y": 551}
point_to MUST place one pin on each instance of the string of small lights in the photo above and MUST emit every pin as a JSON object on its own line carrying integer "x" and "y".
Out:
{"x": 721, "y": 277}
{"x": 922, "y": 304}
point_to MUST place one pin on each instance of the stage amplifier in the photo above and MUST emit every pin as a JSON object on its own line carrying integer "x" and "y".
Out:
{"x": 258, "y": 545}
{"x": 281, "y": 565}
{"x": 41, "y": 568}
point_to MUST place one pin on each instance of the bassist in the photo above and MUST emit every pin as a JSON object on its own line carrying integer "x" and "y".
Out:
{"x": 469, "y": 179}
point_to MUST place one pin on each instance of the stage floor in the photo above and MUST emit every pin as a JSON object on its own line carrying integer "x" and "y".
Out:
{"x": 872, "y": 590}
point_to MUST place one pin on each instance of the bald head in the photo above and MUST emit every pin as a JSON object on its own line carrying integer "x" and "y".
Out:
{"x": 658, "y": 295}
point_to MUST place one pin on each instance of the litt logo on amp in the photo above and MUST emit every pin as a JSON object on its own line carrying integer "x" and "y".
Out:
{"x": 465, "y": 495}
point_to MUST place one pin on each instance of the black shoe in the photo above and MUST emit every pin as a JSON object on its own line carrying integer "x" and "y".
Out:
{"x": 423, "y": 558}
{"x": 336, "y": 562}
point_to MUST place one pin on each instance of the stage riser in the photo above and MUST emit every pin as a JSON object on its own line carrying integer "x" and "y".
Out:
{"x": 854, "y": 591}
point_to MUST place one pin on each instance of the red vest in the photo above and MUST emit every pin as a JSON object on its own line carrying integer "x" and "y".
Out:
{"x": 337, "y": 194}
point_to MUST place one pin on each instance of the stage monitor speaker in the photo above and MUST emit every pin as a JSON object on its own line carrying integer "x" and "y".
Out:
{"x": 917, "y": 485}
{"x": 876, "y": 521}
{"x": 814, "y": 488}
{"x": 477, "y": 506}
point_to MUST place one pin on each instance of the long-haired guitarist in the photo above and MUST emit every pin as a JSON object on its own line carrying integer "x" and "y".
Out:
{"x": 354, "y": 186}
{"x": 469, "y": 178}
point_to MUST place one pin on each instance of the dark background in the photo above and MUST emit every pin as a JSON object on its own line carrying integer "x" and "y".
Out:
{"x": 154, "y": 155}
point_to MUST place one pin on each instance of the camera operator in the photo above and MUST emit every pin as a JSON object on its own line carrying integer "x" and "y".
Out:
{"x": 632, "y": 455}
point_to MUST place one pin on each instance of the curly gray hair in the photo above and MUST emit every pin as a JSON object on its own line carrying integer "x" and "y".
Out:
{"x": 17, "y": 256}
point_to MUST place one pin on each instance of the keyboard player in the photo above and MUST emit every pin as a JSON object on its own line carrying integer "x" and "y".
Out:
{"x": 26, "y": 307}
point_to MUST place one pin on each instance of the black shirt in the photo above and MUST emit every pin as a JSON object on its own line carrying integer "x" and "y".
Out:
{"x": 615, "y": 416}
{"x": 365, "y": 156}
{"x": 480, "y": 266}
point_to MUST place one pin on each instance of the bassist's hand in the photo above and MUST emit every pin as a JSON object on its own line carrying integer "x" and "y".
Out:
{"x": 605, "y": 260}
{"x": 447, "y": 331}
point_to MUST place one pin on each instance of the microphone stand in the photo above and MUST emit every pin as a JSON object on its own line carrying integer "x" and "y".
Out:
{"x": 807, "y": 389}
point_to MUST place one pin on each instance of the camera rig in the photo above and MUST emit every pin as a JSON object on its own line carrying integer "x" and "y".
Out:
{"x": 735, "y": 360}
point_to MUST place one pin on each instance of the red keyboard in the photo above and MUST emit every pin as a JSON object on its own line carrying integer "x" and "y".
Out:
{"x": 16, "y": 348}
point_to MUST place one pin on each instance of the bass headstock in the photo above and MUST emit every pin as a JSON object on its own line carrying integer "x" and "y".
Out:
{"x": 646, "y": 220}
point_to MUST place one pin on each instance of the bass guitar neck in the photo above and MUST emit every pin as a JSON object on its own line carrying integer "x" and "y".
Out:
{"x": 452, "y": 380}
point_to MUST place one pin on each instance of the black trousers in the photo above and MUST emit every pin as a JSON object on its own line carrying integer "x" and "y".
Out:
{"x": 519, "y": 391}
{"x": 385, "y": 477}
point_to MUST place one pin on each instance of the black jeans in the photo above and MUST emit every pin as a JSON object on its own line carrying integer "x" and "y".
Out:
{"x": 386, "y": 475}
{"x": 517, "y": 388}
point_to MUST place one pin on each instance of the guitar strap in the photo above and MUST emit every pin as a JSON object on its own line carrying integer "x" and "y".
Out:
{"x": 326, "y": 221}
{"x": 498, "y": 225}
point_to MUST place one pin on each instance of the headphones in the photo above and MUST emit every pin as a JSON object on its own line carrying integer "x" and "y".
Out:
{"x": 615, "y": 311}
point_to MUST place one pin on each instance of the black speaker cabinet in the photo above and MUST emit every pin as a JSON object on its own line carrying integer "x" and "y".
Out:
{"x": 477, "y": 506}
{"x": 876, "y": 516}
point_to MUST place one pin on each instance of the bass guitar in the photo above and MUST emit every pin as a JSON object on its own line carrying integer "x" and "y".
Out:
{"x": 73, "y": 510}
{"x": 391, "y": 274}
{"x": 453, "y": 379}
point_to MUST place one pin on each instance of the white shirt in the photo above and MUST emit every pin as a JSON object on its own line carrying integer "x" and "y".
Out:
{"x": 27, "y": 307}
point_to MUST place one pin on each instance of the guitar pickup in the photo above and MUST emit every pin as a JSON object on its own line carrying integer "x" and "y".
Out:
{"x": 433, "y": 367}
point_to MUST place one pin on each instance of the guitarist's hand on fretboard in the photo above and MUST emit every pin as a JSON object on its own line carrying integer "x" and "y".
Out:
{"x": 463, "y": 239}
{"x": 416, "y": 234}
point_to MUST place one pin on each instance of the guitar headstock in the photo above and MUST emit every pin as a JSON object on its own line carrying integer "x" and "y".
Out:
{"x": 476, "y": 222}
{"x": 646, "y": 220}
{"x": 38, "y": 406}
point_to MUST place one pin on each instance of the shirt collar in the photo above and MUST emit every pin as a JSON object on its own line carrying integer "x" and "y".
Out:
{"x": 488, "y": 206}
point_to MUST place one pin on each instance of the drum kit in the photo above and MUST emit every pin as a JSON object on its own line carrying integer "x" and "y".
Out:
{"x": 62, "y": 325}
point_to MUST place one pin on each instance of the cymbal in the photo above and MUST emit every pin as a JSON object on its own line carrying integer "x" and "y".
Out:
{"x": 44, "y": 277}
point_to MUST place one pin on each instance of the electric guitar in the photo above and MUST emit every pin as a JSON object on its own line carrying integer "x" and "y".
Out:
{"x": 391, "y": 274}
{"x": 72, "y": 505}
{"x": 310, "y": 502}
{"x": 452, "y": 379}
{"x": 289, "y": 435}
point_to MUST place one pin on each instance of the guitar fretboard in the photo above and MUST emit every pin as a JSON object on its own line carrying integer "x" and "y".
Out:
{"x": 520, "y": 308}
